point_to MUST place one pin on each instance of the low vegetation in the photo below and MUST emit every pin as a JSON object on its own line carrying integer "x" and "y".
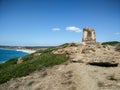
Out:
{"x": 8, "y": 63}
{"x": 113, "y": 43}
{"x": 31, "y": 63}
{"x": 53, "y": 48}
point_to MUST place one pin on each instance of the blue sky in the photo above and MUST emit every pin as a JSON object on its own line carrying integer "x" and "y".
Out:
{"x": 54, "y": 22}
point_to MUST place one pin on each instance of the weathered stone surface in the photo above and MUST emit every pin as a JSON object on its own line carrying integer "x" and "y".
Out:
{"x": 89, "y": 35}
{"x": 118, "y": 47}
{"x": 20, "y": 60}
{"x": 104, "y": 63}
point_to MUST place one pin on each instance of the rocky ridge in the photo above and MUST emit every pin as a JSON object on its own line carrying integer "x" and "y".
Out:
{"x": 91, "y": 67}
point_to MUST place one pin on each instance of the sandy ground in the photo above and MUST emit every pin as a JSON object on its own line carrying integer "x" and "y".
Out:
{"x": 74, "y": 76}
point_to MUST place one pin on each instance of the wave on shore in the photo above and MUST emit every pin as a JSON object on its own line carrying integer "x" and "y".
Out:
{"x": 26, "y": 50}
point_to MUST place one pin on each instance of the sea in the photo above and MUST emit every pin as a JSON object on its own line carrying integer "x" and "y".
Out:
{"x": 7, "y": 54}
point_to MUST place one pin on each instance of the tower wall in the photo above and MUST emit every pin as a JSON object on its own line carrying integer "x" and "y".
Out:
{"x": 89, "y": 35}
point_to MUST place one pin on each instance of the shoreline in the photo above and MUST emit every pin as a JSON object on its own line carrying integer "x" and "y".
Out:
{"x": 26, "y": 50}
{"x": 29, "y": 51}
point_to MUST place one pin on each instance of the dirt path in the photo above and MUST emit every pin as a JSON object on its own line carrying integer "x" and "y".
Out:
{"x": 82, "y": 78}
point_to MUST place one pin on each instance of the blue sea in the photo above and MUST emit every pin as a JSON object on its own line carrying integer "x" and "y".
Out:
{"x": 5, "y": 54}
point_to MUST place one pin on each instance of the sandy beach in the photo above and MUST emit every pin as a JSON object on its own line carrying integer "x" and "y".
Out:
{"x": 26, "y": 50}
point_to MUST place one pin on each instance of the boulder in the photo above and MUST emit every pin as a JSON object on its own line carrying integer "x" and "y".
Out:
{"x": 104, "y": 62}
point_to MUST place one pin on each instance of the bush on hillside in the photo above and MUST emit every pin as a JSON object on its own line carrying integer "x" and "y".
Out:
{"x": 8, "y": 63}
{"x": 113, "y": 43}
{"x": 11, "y": 70}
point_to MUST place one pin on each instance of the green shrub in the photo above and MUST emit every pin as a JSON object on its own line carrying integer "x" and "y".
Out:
{"x": 64, "y": 45}
{"x": 8, "y": 63}
{"x": 28, "y": 57}
{"x": 31, "y": 64}
{"x": 113, "y": 43}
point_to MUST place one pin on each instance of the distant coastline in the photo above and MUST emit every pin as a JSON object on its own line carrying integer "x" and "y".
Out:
{"x": 7, "y": 54}
{"x": 29, "y": 51}
{"x": 26, "y": 50}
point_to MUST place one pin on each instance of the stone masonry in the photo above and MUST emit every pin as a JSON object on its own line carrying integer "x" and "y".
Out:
{"x": 89, "y": 35}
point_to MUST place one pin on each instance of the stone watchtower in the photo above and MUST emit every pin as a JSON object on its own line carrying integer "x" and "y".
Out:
{"x": 88, "y": 35}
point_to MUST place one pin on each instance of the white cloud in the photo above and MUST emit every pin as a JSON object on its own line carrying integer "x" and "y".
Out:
{"x": 117, "y": 33}
{"x": 74, "y": 29}
{"x": 55, "y": 29}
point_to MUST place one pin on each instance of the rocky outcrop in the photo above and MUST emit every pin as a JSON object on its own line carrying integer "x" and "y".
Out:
{"x": 117, "y": 48}
{"x": 92, "y": 54}
{"x": 20, "y": 60}
{"x": 104, "y": 62}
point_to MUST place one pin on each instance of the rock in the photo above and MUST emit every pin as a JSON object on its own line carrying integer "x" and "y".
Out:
{"x": 114, "y": 77}
{"x": 74, "y": 60}
{"x": 20, "y": 60}
{"x": 89, "y": 35}
{"x": 37, "y": 54}
{"x": 67, "y": 50}
{"x": 88, "y": 50}
{"x": 117, "y": 47}
{"x": 104, "y": 63}
{"x": 73, "y": 44}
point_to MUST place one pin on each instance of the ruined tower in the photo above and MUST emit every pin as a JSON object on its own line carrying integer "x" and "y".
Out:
{"x": 89, "y": 35}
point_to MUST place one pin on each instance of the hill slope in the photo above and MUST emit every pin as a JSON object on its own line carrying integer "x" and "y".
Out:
{"x": 90, "y": 67}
